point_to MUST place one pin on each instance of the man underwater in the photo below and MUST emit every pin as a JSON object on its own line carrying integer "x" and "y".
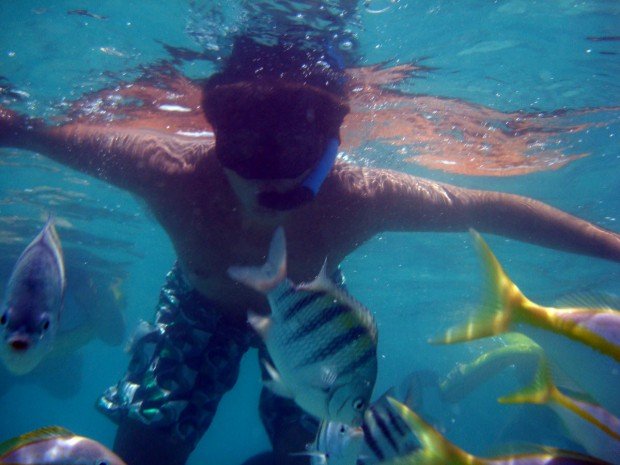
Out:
{"x": 276, "y": 113}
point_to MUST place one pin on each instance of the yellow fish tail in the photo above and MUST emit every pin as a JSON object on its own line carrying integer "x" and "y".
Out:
{"x": 435, "y": 449}
{"x": 502, "y": 303}
{"x": 540, "y": 391}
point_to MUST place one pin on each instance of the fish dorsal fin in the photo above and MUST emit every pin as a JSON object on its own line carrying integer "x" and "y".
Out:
{"x": 321, "y": 283}
{"x": 434, "y": 447}
{"x": 47, "y": 432}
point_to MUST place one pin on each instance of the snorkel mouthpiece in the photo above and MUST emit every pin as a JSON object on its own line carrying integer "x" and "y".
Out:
{"x": 309, "y": 188}
{"x": 319, "y": 173}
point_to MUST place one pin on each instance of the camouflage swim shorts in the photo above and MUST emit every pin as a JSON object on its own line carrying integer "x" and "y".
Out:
{"x": 182, "y": 365}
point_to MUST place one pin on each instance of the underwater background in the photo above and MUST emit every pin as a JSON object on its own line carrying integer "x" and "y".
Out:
{"x": 555, "y": 58}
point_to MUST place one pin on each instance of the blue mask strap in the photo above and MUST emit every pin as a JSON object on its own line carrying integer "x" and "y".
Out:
{"x": 314, "y": 180}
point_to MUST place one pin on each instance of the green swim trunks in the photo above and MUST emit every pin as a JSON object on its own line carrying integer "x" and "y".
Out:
{"x": 182, "y": 365}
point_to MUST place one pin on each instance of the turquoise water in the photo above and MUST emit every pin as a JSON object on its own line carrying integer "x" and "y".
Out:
{"x": 507, "y": 55}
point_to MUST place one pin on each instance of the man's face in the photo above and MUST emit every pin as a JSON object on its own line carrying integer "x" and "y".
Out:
{"x": 275, "y": 148}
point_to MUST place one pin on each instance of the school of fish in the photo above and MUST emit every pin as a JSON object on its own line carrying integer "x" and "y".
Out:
{"x": 322, "y": 346}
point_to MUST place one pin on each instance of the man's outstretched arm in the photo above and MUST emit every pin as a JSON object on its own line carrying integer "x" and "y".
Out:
{"x": 399, "y": 202}
{"x": 133, "y": 159}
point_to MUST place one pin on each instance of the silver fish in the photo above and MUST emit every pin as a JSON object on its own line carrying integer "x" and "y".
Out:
{"x": 335, "y": 444}
{"x": 383, "y": 435}
{"x": 55, "y": 445}
{"x": 322, "y": 342}
{"x": 30, "y": 313}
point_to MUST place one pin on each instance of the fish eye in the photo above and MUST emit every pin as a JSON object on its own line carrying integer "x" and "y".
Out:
{"x": 359, "y": 404}
{"x": 342, "y": 429}
{"x": 3, "y": 319}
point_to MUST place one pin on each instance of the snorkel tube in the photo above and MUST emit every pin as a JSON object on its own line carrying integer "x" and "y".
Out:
{"x": 309, "y": 188}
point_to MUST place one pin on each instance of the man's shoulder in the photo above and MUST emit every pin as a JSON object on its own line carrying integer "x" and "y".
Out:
{"x": 354, "y": 178}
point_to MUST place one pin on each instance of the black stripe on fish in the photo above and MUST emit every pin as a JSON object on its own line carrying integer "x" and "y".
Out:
{"x": 370, "y": 354}
{"x": 396, "y": 422}
{"x": 371, "y": 443}
{"x": 384, "y": 428}
{"x": 322, "y": 319}
{"x": 302, "y": 303}
{"x": 335, "y": 345}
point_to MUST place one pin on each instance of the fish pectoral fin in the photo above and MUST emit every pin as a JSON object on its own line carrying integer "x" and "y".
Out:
{"x": 321, "y": 457}
{"x": 328, "y": 379}
{"x": 261, "y": 324}
{"x": 275, "y": 384}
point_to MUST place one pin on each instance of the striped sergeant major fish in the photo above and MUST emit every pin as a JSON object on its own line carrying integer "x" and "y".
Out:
{"x": 323, "y": 343}
{"x": 435, "y": 449}
{"x": 584, "y": 342}
{"x": 590, "y": 425}
{"x": 54, "y": 445}
{"x": 30, "y": 314}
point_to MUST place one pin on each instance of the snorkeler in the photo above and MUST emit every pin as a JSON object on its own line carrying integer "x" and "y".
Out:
{"x": 276, "y": 113}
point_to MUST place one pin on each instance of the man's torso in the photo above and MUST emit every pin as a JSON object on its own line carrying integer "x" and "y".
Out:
{"x": 211, "y": 231}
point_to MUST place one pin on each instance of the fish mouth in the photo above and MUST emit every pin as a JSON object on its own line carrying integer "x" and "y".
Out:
{"x": 19, "y": 344}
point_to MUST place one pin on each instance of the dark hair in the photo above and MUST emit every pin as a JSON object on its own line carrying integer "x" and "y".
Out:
{"x": 264, "y": 92}
{"x": 252, "y": 61}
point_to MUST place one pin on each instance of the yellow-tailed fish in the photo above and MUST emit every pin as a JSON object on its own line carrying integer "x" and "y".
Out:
{"x": 517, "y": 351}
{"x": 30, "y": 314}
{"x": 322, "y": 342}
{"x": 55, "y": 445}
{"x": 386, "y": 435}
{"x": 583, "y": 342}
{"x": 437, "y": 450}
{"x": 597, "y": 430}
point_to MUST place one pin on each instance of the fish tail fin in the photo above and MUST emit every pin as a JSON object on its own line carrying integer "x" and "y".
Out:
{"x": 499, "y": 308}
{"x": 433, "y": 446}
{"x": 268, "y": 276}
{"x": 540, "y": 391}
